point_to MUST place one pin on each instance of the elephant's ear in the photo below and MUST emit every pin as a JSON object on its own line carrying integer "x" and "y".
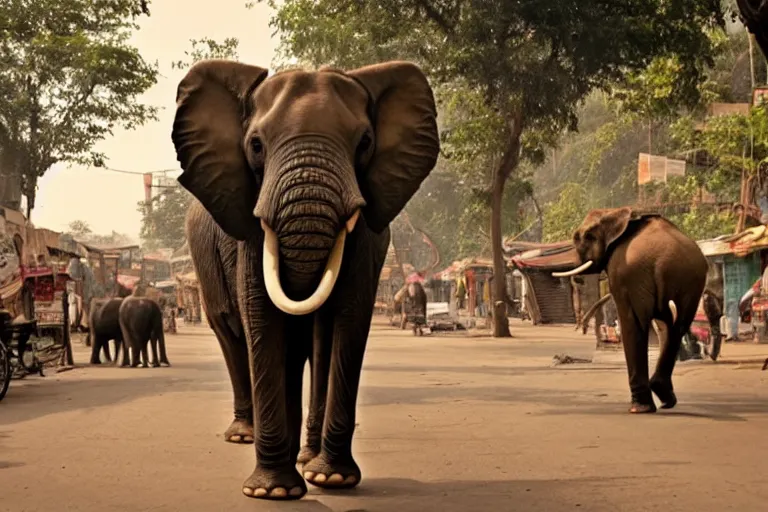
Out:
{"x": 407, "y": 141}
{"x": 616, "y": 221}
{"x": 208, "y": 135}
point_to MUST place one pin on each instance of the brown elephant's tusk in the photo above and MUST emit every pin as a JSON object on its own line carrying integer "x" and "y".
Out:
{"x": 673, "y": 309}
{"x": 592, "y": 310}
{"x": 352, "y": 221}
{"x": 271, "y": 267}
{"x": 575, "y": 271}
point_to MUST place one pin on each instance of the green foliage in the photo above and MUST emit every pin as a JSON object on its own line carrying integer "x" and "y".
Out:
{"x": 79, "y": 229}
{"x": 702, "y": 224}
{"x": 162, "y": 224}
{"x": 207, "y": 48}
{"x": 68, "y": 77}
{"x": 564, "y": 216}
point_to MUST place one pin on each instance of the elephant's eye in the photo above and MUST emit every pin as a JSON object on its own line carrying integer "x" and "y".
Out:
{"x": 257, "y": 146}
{"x": 364, "y": 145}
{"x": 589, "y": 237}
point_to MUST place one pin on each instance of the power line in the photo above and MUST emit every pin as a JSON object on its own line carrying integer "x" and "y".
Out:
{"x": 137, "y": 173}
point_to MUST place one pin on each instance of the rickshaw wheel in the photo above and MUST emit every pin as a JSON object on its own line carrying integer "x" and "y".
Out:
{"x": 5, "y": 370}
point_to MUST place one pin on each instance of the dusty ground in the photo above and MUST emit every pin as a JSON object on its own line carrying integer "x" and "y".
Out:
{"x": 446, "y": 423}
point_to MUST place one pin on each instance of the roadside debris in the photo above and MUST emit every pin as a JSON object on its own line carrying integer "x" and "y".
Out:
{"x": 566, "y": 359}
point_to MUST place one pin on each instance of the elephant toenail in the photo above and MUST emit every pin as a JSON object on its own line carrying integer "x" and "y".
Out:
{"x": 248, "y": 439}
{"x": 351, "y": 479}
{"x": 309, "y": 475}
{"x": 335, "y": 478}
{"x": 235, "y": 439}
{"x": 258, "y": 493}
{"x": 320, "y": 478}
{"x": 296, "y": 491}
{"x": 279, "y": 492}
{"x": 247, "y": 491}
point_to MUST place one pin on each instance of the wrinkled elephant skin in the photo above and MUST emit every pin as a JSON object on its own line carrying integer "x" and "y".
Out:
{"x": 297, "y": 177}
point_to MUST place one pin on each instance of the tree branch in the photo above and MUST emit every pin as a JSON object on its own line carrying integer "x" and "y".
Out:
{"x": 434, "y": 15}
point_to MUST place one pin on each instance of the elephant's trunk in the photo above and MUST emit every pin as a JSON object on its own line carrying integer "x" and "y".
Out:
{"x": 314, "y": 194}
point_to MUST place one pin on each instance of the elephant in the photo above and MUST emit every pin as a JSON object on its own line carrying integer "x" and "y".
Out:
{"x": 104, "y": 325}
{"x": 656, "y": 275}
{"x": 296, "y": 178}
{"x": 141, "y": 322}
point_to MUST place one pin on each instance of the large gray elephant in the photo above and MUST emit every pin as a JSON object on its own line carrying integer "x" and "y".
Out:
{"x": 298, "y": 176}
{"x": 656, "y": 275}
{"x": 141, "y": 321}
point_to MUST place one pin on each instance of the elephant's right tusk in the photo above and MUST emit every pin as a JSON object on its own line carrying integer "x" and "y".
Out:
{"x": 271, "y": 267}
{"x": 576, "y": 271}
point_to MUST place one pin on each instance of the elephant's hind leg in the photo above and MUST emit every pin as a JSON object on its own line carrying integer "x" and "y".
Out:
{"x": 235, "y": 350}
{"x": 661, "y": 382}
{"x": 634, "y": 339}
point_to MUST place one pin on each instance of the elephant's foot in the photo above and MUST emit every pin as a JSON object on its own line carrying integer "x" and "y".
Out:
{"x": 95, "y": 361}
{"x": 165, "y": 362}
{"x": 665, "y": 393}
{"x": 307, "y": 453}
{"x": 240, "y": 432}
{"x": 327, "y": 473}
{"x": 155, "y": 364}
{"x": 275, "y": 484}
{"x": 642, "y": 408}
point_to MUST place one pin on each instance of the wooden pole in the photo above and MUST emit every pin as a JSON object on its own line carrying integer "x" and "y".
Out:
{"x": 66, "y": 356}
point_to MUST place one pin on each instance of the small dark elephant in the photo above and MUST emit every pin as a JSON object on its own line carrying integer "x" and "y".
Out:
{"x": 104, "y": 325}
{"x": 656, "y": 275}
{"x": 298, "y": 176}
{"x": 141, "y": 321}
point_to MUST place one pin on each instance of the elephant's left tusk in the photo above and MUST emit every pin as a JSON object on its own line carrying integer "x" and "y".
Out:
{"x": 575, "y": 271}
{"x": 271, "y": 267}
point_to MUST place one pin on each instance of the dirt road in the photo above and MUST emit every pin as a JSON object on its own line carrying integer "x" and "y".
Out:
{"x": 446, "y": 423}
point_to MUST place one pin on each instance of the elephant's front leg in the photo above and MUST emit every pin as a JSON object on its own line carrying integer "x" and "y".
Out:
{"x": 320, "y": 363}
{"x": 335, "y": 467}
{"x": 275, "y": 475}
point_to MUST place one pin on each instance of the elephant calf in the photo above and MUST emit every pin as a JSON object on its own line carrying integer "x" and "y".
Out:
{"x": 104, "y": 325}
{"x": 656, "y": 275}
{"x": 141, "y": 322}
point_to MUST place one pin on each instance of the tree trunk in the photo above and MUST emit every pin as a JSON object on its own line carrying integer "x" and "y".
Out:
{"x": 506, "y": 167}
{"x": 500, "y": 320}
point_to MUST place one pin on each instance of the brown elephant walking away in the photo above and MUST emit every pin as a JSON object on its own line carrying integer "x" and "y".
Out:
{"x": 656, "y": 275}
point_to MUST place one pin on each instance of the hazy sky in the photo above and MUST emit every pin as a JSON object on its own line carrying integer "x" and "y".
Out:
{"x": 108, "y": 200}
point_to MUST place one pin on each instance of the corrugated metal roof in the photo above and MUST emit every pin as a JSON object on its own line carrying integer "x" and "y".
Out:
{"x": 555, "y": 256}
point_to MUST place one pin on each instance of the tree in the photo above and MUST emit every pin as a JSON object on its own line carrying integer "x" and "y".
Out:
{"x": 162, "y": 223}
{"x": 68, "y": 77}
{"x": 79, "y": 229}
{"x": 531, "y": 66}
